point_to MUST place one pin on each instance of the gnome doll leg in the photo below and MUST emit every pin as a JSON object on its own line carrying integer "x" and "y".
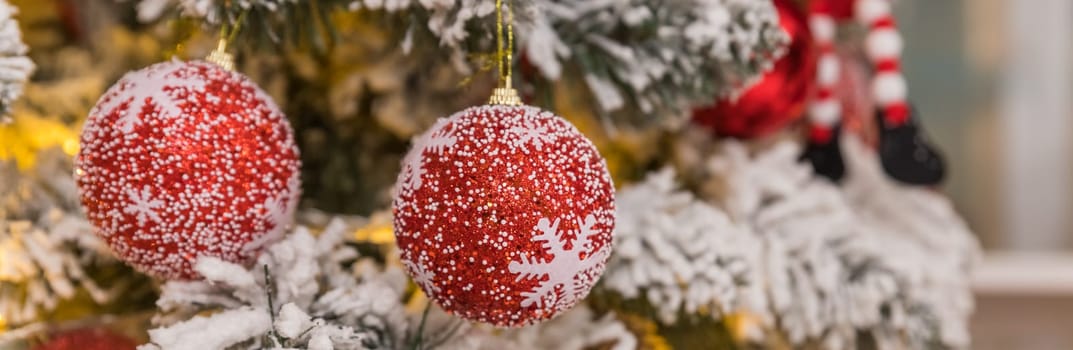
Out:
{"x": 905, "y": 151}
{"x": 825, "y": 110}
{"x": 906, "y": 154}
{"x": 822, "y": 150}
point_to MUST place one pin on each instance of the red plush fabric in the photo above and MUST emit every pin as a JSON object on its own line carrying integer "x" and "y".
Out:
{"x": 780, "y": 96}
{"x": 838, "y": 9}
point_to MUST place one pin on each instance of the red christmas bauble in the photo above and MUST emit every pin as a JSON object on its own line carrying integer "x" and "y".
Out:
{"x": 779, "y": 97}
{"x": 185, "y": 159}
{"x": 88, "y": 339}
{"x": 504, "y": 214}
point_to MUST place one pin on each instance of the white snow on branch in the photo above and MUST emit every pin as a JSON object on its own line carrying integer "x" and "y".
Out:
{"x": 681, "y": 254}
{"x": 661, "y": 56}
{"x": 317, "y": 304}
{"x": 15, "y": 66}
{"x": 218, "y": 331}
{"x": 924, "y": 240}
{"x": 648, "y": 59}
{"x": 44, "y": 240}
{"x": 871, "y": 257}
{"x": 821, "y": 264}
{"x": 301, "y": 282}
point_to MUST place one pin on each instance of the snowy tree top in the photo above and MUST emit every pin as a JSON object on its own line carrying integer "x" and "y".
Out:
{"x": 642, "y": 61}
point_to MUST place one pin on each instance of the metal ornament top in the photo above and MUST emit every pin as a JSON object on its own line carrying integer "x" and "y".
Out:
{"x": 505, "y": 96}
{"x": 221, "y": 57}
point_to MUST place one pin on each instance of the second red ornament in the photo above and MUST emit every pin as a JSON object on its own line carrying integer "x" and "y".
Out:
{"x": 187, "y": 159}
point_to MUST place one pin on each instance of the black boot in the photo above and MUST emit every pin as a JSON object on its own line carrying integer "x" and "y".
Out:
{"x": 906, "y": 153}
{"x": 826, "y": 158}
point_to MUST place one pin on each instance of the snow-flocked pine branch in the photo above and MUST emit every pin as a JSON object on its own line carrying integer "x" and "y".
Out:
{"x": 681, "y": 254}
{"x": 820, "y": 263}
{"x": 642, "y": 60}
{"x": 45, "y": 242}
{"x": 298, "y": 295}
{"x": 15, "y": 66}
{"x": 654, "y": 58}
{"x": 829, "y": 268}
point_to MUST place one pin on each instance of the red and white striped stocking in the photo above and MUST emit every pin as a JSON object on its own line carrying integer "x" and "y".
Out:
{"x": 906, "y": 154}
{"x": 904, "y": 150}
{"x": 825, "y": 109}
{"x": 883, "y": 46}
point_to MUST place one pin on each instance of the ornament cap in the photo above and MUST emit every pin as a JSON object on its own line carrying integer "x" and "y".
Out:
{"x": 221, "y": 57}
{"x": 505, "y": 96}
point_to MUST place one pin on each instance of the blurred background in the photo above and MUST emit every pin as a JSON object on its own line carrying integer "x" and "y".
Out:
{"x": 994, "y": 79}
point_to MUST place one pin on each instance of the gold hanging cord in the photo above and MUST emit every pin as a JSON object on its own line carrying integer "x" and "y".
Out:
{"x": 220, "y": 56}
{"x": 505, "y": 93}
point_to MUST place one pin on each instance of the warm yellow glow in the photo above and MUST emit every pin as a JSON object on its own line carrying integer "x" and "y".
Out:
{"x": 31, "y": 133}
{"x": 70, "y": 146}
{"x": 647, "y": 330}
{"x": 379, "y": 230}
{"x": 3, "y": 323}
{"x": 743, "y": 325}
{"x": 417, "y": 303}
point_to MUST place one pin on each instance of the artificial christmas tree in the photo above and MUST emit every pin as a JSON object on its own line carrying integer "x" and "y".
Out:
{"x": 503, "y": 214}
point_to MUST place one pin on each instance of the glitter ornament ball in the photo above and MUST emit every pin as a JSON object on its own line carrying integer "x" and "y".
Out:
{"x": 88, "y": 339}
{"x": 186, "y": 159}
{"x": 504, "y": 214}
